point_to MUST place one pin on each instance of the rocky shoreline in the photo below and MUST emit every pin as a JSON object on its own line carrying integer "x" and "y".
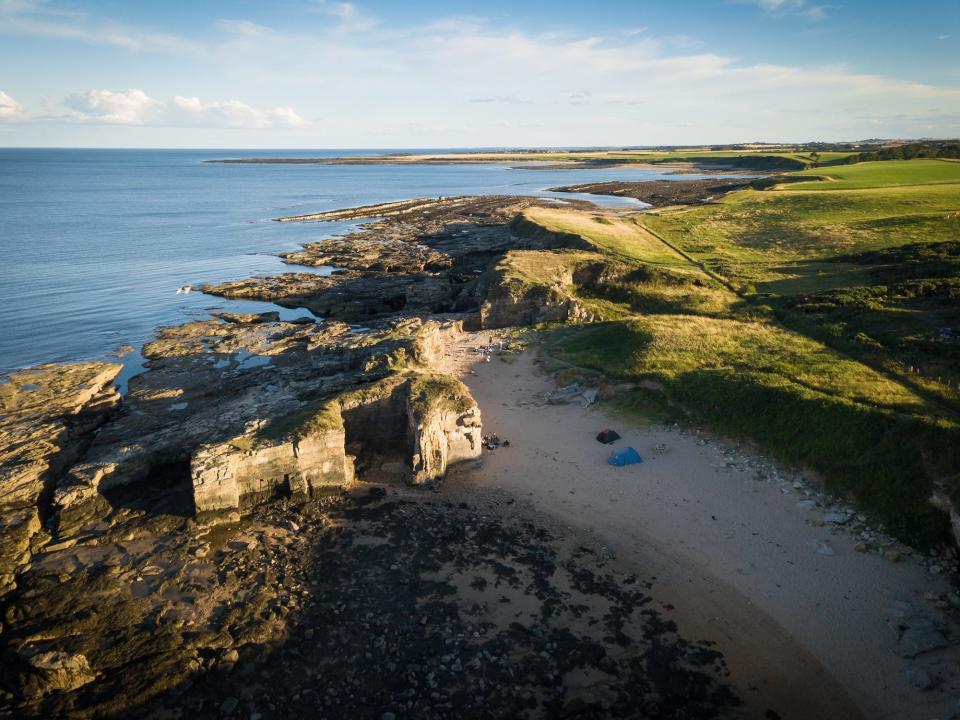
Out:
{"x": 246, "y": 533}
{"x": 161, "y": 548}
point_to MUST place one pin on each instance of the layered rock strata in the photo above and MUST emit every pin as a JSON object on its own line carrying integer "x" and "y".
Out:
{"x": 49, "y": 415}
{"x": 307, "y": 460}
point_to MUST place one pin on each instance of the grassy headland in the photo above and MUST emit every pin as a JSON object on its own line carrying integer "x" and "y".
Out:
{"x": 796, "y": 317}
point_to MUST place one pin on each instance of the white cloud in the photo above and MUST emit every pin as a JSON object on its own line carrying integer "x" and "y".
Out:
{"x": 229, "y": 114}
{"x": 471, "y": 81}
{"x": 245, "y": 28}
{"x": 11, "y": 110}
{"x": 287, "y": 117}
{"x": 135, "y": 107}
{"x": 127, "y": 107}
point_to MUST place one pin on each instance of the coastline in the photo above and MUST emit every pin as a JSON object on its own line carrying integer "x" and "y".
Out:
{"x": 767, "y": 580}
{"x": 736, "y": 556}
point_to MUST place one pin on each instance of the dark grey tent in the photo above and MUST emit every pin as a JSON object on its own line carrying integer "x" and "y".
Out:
{"x": 608, "y": 436}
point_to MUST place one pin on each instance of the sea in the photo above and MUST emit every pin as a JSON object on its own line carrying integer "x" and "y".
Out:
{"x": 95, "y": 243}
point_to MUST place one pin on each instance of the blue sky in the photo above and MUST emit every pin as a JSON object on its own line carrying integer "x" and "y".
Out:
{"x": 320, "y": 73}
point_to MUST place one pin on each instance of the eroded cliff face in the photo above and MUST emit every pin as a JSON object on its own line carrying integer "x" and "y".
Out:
{"x": 305, "y": 457}
{"x": 513, "y": 303}
{"x": 444, "y": 426}
{"x": 427, "y": 420}
{"x": 530, "y": 287}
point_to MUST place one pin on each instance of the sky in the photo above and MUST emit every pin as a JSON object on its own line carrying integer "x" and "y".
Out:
{"x": 495, "y": 73}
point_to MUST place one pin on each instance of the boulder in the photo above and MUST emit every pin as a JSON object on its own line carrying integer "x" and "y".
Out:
{"x": 50, "y": 671}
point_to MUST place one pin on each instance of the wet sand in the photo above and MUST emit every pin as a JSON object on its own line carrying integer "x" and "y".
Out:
{"x": 804, "y": 632}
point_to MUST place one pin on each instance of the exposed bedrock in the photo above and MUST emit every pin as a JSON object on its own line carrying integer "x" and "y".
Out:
{"x": 351, "y": 296}
{"x": 49, "y": 415}
{"x": 443, "y": 426}
{"x": 231, "y": 411}
{"x": 530, "y": 287}
{"x": 420, "y": 258}
{"x": 305, "y": 457}
{"x": 428, "y": 420}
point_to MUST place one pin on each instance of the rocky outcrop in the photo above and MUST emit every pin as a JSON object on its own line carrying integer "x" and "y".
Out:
{"x": 528, "y": 288}
{"x": 430, "y": 419}
{"x": 444, "y": 426}
{"x": 416, "y": 258}
{"x": 400, "y": 207}
{"x": 49, "y": 414}
{"x": 351, "y": 296}
{"x": 301, "y": 454}
{"x": 208, "y": 382}
{"x": 235, "y": 409}
{"x": 514, "y": 303}
{"x": 45, "y": 672}
{"x": 371, "y": 254}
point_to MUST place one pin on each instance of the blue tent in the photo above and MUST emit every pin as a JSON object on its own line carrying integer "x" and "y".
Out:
{"x": 624, "y": 456}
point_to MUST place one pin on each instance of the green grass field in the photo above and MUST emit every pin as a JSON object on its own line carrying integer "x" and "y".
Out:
{"x": 780, "y": 244}
{"x": 748, "y": 234}
{"x": 836, "y": 350}
{"x": 881, "y": 174}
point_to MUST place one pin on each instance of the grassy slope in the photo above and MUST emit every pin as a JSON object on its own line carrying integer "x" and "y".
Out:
{"x": 882, "y": 174}
{"x": 649, "y": 277}
{"x": 783, "y": 244}
{"x": 869, "y": 434}
{"x": 614, "y": 235}
{"x": 749, "y": 234}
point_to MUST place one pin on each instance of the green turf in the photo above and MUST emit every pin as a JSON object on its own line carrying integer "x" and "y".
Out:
{"x": 747, "y": 233}
{"x": 881, "y": 174}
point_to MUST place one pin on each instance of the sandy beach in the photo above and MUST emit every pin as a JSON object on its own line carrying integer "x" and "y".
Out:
{"x": 808, "y": 625}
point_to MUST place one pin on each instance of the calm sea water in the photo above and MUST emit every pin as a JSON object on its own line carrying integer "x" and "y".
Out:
{"x": 94, "y": 243}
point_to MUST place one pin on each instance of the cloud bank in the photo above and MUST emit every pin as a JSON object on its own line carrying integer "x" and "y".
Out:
{"x": 468, "y": 81}
{"x": 135, "y": 107}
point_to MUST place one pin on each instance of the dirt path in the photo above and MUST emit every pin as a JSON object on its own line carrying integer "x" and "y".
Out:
{"x": 808, "y": 625}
